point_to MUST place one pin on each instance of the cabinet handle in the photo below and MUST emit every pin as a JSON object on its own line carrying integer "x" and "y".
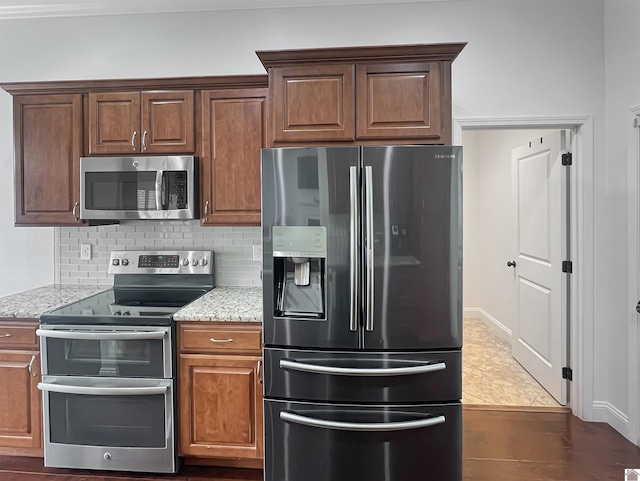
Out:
{"x": 5, "y": 335}
{"x": 33, "y": 358}
{"x": 213, "y": 339}
{"x": 144, "y": 141}
{"x": 260, "y": 371}
{"x": 206, "y": 211}
{"x": 133, "y": 140}
{"x": 74, "y": 211}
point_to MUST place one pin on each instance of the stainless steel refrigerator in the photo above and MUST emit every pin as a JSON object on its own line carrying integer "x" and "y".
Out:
{"x": 362, "y": 321}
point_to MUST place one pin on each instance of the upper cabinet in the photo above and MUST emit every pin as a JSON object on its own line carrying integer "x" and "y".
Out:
{"x": 48, "y": 146}
{"x": 361, "y": 95}
{"x": 313, "y": 103}
{"x": 233, "y": 132}
{"x": 141, "y": 122}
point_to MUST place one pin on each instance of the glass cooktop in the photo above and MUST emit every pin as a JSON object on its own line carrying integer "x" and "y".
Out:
{"x": 125, "y": 306}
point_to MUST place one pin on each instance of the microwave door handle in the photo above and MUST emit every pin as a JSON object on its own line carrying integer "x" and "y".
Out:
{"x": 159, "y": 189}
{"x": 103, "y": 391}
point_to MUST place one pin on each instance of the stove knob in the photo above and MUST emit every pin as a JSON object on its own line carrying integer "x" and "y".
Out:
{"x": 116, "y": 262}
{"x": 125, "y": 262}
{"x": 194, "y": 262}
{"x": 185, "y": 262}
{"x": 205, "y": 261}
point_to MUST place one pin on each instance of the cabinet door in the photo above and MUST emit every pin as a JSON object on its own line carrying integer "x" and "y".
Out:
{"x": 232, "y": 135}
{"x": 399, "y": 101}
{"x": 48, "y": 145}
{"x": 168, "y": 122}
{"x": 220, "y": 406}
{"x": 114, "y": 123}
{"x": 312, "y": 103}
{"x": 20, "y": 403}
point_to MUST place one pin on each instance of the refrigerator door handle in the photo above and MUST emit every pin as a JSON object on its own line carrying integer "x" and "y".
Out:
{"x": 368, "y": 172}
{"x": 367, "y": 427}
{"x": 353, "y": 371}
{"x": 353, "y": 247}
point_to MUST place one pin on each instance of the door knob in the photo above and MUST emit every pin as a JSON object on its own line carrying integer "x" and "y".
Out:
{"x": 511, "y": 263}
{"x": 638, "y": 307}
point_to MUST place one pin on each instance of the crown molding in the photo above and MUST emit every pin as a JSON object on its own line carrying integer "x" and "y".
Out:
{"x": 21, "y": 9}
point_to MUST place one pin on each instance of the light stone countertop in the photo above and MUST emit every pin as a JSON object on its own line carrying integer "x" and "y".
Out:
{"x": 33, "y": 303}
{"x": 230, "y": 304}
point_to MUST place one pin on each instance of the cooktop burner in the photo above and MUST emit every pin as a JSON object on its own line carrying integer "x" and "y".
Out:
{"x": 147, "y": 289}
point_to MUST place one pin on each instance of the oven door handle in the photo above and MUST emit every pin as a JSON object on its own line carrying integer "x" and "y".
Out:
{"x": 103, "y": 391}
{"x": 367, "y": 427}
{"x": 355, "y": 371}
{"x": 102, "y": 336}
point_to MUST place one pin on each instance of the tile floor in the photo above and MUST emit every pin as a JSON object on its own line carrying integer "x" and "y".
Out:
{"x": 490, "y": 375}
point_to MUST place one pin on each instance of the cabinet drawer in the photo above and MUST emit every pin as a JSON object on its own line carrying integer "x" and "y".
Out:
{"x": 15, "y": 334}
{"x": 220, "y": 339}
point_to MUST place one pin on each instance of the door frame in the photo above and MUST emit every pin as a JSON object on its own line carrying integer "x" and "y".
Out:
{"x": 633, "y": 278}
{"x": 581, "y": 215}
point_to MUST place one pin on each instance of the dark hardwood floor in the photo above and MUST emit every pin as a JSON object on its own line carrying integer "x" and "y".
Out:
{"x": 499, "y": 445}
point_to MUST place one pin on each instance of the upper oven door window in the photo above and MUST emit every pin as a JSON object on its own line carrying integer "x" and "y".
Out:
{"x": 144, "y": 352}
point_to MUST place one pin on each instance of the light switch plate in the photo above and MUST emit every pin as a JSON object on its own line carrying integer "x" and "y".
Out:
{"x": 85, "y": 252}
{"x": 257, "y": 253}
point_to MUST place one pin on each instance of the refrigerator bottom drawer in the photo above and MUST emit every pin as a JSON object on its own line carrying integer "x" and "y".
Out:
{"x": 339, "y": 442}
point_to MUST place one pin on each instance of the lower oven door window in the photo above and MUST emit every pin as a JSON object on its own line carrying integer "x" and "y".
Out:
{"x": 125, "y": 352}
{"x": 126, "y": 413}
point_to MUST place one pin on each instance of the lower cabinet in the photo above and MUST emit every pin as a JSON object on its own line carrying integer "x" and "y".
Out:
{"x": 220, "y": 392}
{"x": 20, "y": 399}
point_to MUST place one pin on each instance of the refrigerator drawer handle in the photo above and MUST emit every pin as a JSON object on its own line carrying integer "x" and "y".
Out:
{"x": 102, "y": 336}
{"x": 367, "y": 427}
{"x": 354, "y": 371}
{"x": 103, "y": 391}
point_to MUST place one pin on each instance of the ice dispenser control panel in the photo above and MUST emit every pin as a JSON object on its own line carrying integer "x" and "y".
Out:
{"x": 299, "y": 241}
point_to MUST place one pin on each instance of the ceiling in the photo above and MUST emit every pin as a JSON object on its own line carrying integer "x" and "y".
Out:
{"x": 14, "y": 9}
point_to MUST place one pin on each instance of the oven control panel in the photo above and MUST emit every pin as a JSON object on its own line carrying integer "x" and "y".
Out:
{"x": 161, "y": 262}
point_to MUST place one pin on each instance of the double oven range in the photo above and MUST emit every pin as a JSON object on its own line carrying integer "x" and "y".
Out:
{"x": 109, "y": 365}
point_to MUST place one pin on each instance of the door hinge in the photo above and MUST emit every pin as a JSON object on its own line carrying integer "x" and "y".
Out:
{"x": 567, "y": 266}
{"x": 567, "y": 373}
{"x": 567, "y": 159}
{"x": 636, "y": 122}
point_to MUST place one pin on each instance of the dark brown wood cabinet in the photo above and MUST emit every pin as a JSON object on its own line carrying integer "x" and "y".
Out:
{"x": 48, "y": 139}
{"x": 313, "y": 103}
{"x": 360, "y": 95}
{"x": 399, "y": 101}
{"x": 220, "y": 392}
{"x": 20, "y": 399}
{"x": 141, "y": 122}
{"x": 233, "y": 132}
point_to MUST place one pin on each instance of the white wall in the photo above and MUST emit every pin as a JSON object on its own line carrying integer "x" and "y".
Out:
{"x": 490, "y": 233}
{"x": 524, "y": 58}
{"x": 622, "y": 67}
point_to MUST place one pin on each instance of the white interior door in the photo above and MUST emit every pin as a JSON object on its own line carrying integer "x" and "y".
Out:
{"x": 539, "y": 335}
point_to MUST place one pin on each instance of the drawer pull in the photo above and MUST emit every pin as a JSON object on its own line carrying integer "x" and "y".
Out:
{"x": 355, "y": 371}
{"x": 367, "y": 427}
{"x": 5, "y": 335}
{"x": 213, "y": 339}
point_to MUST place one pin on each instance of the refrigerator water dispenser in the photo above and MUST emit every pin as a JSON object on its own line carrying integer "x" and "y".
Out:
{"x": 299, "y": 257}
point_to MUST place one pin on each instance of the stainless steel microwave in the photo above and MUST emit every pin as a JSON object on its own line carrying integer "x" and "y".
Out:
{"x": 163, "y": 187}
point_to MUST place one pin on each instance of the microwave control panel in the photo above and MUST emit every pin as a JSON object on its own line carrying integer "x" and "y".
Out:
{"x": 177, "y": 196}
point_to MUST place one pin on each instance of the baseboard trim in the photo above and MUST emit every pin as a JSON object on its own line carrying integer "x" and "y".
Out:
{"x": 478, "y": 313}
{"x": 607, "y": 413}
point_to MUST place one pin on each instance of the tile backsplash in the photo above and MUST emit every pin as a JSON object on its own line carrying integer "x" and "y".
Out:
{"x": 232, "y": 248}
